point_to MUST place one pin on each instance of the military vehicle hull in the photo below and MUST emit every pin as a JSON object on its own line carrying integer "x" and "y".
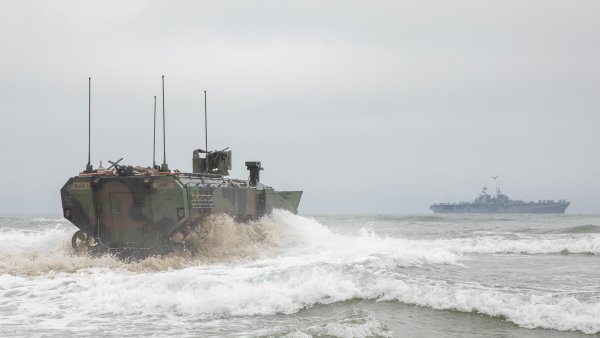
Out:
{"x": 140, "y": 211}
{"x": 143, "y": 215}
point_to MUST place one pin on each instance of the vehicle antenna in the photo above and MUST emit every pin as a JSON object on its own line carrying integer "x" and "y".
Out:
{"x": 88, "y": 167}
{"x": 165, "y": 166}
{"x": 205, "y": 131}
{"x": 154, "y": 137}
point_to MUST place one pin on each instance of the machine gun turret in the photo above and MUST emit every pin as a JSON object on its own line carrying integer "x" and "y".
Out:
{"x": 214, "y": 162}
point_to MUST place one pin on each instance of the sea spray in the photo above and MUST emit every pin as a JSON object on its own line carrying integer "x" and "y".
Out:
{"x": 284, "y": 264}
{"x": 33, "y": 252}
{"x": 222, "y": 238}
{"x": 39, "y": 251}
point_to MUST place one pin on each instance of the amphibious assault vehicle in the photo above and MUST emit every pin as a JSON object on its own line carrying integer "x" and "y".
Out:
{"x": 140, "y": 211}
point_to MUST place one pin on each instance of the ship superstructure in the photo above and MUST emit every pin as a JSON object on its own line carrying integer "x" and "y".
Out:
{"x": 501, "y": 203}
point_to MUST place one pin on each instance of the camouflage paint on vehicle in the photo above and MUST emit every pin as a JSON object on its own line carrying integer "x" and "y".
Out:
{"x": 141, "y": 211}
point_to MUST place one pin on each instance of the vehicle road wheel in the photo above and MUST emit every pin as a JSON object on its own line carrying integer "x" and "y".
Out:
{"x": 80, "y": 242}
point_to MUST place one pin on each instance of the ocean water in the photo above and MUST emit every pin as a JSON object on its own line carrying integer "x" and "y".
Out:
{"x": 319, "y": 276}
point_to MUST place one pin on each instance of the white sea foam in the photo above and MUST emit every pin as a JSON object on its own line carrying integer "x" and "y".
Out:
{"x": 368, "y": 327}
{"x": 293, "y": 239}
{"x": 16, "y": 240}
{"x": 313, "y": 234}
{"x": 548, "y": 311}
{"x": 541, "y": 244}
{"x": 266, "y": 289}
{"x": 299, "y": 240}
{"x": 310, "y": 241}
{"x": 301, "y": 263}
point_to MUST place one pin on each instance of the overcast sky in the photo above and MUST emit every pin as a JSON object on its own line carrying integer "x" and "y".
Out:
{"x": 366, "y": 106}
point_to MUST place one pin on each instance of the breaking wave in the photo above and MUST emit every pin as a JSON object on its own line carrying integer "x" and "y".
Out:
{"x": 280, "y": 287}
{"x": 36, "y": 252}
{"x": 549, "y": 244}
{"x": 584, "y": 229}
{"x": 279, "y": 265}
{"x": 281, "y": 234}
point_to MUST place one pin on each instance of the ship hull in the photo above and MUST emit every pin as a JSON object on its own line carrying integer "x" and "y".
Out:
{"x": 525, "y": 208}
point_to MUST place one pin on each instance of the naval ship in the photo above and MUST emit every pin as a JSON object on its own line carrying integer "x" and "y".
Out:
{"x": 501, "y": 204}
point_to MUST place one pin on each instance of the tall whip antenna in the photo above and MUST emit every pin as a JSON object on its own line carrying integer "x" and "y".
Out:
{"x": 165, "y": 166}
{"x": 88, "y": 167}
{"x": 205, "y": 131}
{"x": 205, "y": 124}
{"x": 154, "y": 137}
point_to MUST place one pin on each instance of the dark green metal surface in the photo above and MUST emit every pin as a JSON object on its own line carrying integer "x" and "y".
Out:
{"x": 146, "y": 212}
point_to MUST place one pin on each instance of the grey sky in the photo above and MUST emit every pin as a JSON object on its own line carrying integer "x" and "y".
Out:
{"x": 378, "y": 106}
